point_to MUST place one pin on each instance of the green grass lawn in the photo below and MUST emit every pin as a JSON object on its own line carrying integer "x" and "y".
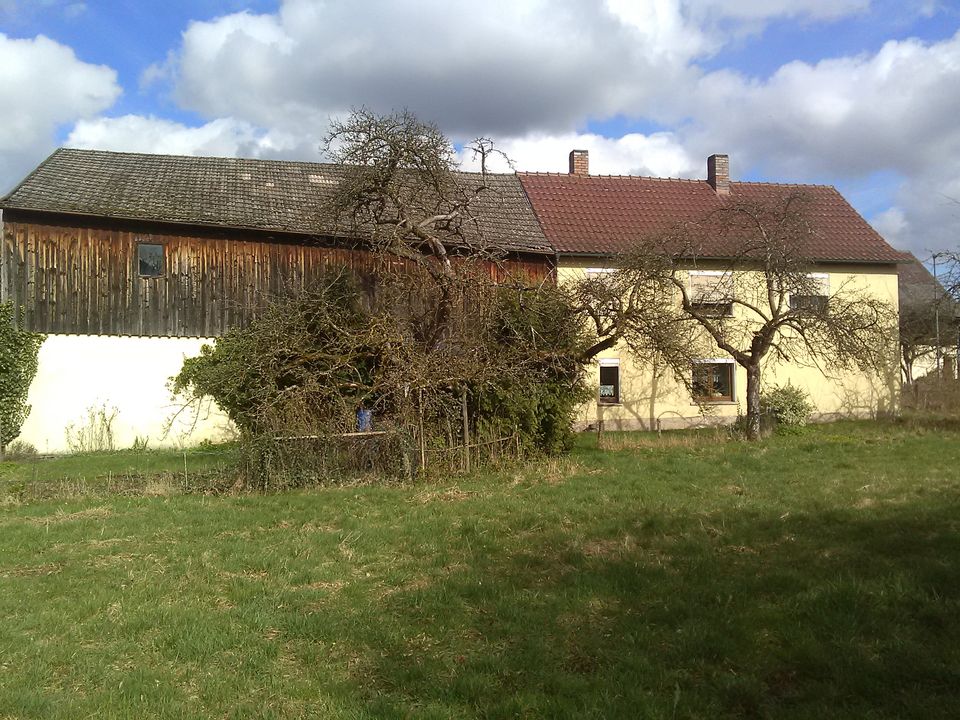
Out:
{"x": 807, "y": 576}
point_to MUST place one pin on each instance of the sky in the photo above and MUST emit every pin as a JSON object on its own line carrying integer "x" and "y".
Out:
{"x": 860, "y": 94}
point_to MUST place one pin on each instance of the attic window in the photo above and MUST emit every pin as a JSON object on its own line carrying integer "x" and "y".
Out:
{"x": 150, "y": 259}
{"x": 812, "y": 298}
{"x": 711, "y": 292}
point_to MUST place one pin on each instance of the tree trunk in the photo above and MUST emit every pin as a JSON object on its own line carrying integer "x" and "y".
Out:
{"x": 753, "y": 402}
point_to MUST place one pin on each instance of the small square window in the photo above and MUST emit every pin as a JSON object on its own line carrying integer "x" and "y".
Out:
{"x": 711, "y": 292}
{"x": 609, "y": 382}
{"x": 150, "y": 259}
{"x": 812, "y": 297}
{"x": 809, "y": 304}
{"x": 713, "y": 381}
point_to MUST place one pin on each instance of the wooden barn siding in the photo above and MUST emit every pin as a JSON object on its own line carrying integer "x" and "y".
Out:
{"x": 72, "y": 279}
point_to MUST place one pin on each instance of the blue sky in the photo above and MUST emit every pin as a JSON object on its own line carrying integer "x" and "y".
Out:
{"x": 862, "y": 94}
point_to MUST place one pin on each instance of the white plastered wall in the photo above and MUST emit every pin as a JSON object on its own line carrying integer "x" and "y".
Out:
{"x": 128, "y": 378}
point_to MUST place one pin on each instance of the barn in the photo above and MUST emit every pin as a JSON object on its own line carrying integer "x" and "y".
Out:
{"x": 129, "y": 262}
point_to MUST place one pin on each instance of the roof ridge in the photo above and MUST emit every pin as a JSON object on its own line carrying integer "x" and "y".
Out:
{"x": 228, "y": 158}
{"x": 594, "y": 176}
{"x": 782, "y": 184}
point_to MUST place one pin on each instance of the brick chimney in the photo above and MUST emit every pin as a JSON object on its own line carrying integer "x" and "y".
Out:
{"x": 718, "y": 173}
{"x": 579, "y": 162}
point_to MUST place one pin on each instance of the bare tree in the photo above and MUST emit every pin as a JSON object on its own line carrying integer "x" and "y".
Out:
{"x": 926, "y": 313}
{"x": 402, "y": 192}
{"x": 673, "y": 301}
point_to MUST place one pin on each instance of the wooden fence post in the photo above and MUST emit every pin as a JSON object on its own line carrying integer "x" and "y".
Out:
{"x": 466, "y": 430}
{"x": 423, "y": 442}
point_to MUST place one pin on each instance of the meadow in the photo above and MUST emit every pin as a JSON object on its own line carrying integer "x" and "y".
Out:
{"x": 687, "y": 576}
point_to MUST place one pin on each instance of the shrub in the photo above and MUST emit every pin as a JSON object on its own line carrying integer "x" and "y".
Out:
{"x": 789, "y": 406}
{"x": 295, "y": 379}
{"x": 20, "y": 450}
{"x": 94, "y": 432}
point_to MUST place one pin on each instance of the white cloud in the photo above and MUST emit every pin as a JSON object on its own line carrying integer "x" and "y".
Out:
{"x": 659, "y": 154}
{"x": 532, "y": 73}
{"x": 510, "y": 69}
{"x": 926, "y": 217}
{"x": 894, "y": 110}
{"x": 45, "y": 86}
{"x": 222, "y": 137}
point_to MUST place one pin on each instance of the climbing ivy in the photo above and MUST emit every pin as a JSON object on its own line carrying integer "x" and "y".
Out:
{"x": 19, "y": 351}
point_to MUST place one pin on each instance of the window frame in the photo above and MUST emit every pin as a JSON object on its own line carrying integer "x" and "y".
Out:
{"x": 711, "y": 308}
{"x": 163, "y": 259}
{"x": 809, "y": 302}
{"x": 732, "y": 373}
{"x": 615, "y": 399}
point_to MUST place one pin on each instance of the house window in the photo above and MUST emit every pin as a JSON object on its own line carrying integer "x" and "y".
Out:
{"x": 713, "y": 380}
{"x": 711, "y": 292}
{"x": 813, "y": 297}
{"x": 150, "y": 259}
{"x": 609, "y": 382}
{"x": 599, "y": 287}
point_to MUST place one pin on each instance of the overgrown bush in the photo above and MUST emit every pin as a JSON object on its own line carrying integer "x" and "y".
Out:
{"x": 294, "y": 380}
{"x": 19, "y": 351}
{"x": 788, "y": 406}
{"x": 538, "y": 399}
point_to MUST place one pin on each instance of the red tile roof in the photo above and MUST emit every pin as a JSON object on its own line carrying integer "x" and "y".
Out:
{"x": 603, "y": 215}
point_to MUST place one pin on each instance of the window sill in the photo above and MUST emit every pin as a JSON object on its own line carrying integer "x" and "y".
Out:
{"x": 609, "y": 404}
{"x": 715, "y": 402}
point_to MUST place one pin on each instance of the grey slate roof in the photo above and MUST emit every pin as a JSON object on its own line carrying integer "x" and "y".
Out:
{"x": 267, "y": 195}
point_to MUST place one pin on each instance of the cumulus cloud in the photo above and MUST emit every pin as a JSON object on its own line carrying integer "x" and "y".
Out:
{"x": 895, "y": 109}
{"x": 51, "y": 87}
{"x": 551, "y": 64}
{"x": 926, "y": 216}
{"x": 221, "y": 137}
{"x": 504, "y": 68}
{"x": 658, "y": 154}
{"x": 891, "y": 111}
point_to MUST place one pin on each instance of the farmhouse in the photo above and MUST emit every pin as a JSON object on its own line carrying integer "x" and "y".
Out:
{"x": 590, "y": 219}
{"x": 130, "y": 262}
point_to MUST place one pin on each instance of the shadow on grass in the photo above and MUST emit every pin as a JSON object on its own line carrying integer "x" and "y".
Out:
{"x": 840, "y": 614}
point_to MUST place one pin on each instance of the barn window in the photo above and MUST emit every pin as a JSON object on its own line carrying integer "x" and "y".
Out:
{"x": 150, "y": 259}
{"x": 609, "y": 382}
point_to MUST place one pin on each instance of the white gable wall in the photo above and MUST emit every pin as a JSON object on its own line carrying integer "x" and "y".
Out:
{"x": 126, "y": 377}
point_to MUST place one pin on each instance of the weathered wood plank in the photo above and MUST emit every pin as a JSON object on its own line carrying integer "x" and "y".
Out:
{"x": 84, "y": 278}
